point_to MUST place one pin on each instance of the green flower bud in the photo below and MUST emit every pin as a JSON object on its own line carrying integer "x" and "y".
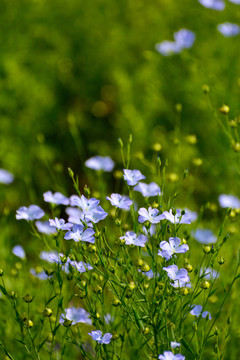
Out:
{"x": 47, "y": 312}
{"x": 28, "y": 298}
{"x": 67, "y": 323}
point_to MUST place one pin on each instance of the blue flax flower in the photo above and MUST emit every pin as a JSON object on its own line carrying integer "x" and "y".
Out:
{"x": 218, "y": 5}
{"x": 151, "y": 215}
{"x": 91, "y": 209}
{"x": 229, "y": 201}
{"x": 60, "y": 224}
{"x": 132, "y": 176}
{"x": 204, "y": 236}
{"x": 148, "y": 190}
{"x": 179, "y": 276}
{"x": 167, "y": 48}
{"x": 197, "y": 311}
{"x": 79, "y": 266}
{"x": 56, "y": 198}
{"x": 33, "y": 212}
{"x": 178, "y": 218}
{"x": 184, "y": 38}
{"x": 173, "y": 247}
{"x": 44, "y": 227}
{"x": 235, "y": 2}
{"x": 193, "y": 214}
{"x": 19, "y": 251}
{"x": 175, "y": 344}
{"x": 6, "y": 177}
{"x": 104, "y": 163}
{"x": 76, "y": 315}
{"x": 101, "y": 339}
{"x": 209, "y": 273}
{"x": 77, "y": 233}
{"x": 120, "y": 201}
{"x": 51, "y": 256}
{"x": 228, "y": 29}
{"x": 132, "y": 239}
{"x": 40, "y": 275}
{"x": 168, "y": 355}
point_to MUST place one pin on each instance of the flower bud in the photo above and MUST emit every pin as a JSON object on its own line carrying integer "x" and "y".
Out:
{"x": 145, "y": 267}
{"x": 118, "y": 222}
{"x": 188, "y": 267}
{"x": 197, "y": 161}
{"x": 183, "y": 212}
{"x": 63, "y": 259}
{"x": 29, "y": 324}
{"x": 205, "y": 285}
{"x": 67, "y": 323}
{"x": 194, "y": 326}
{"x": 184, "y": 291}
{"x": 221, "y": 261}
{"x": 132, "y": 285}
{"x": 98, "y": 315}
{"x": 116, "y": 302}
{"x": 28, "y": 298}
{"x": 1, "y": 272}
{"x": 206, "y": 249}
{"x": 236, "y": 147}
{"x": 86, "y": 190}
{"x": 98, "y": 289}
{"x": 115, "y": 337}
{"x": 72, "y": 257}
{"x": 233, "y": 123}
{"x": 205, "y": 89}
{"x": 146, "y": 331}
{"x": 157, "y": 147}
{"x": 224, "y": 109}
{"x": 47, "y": 312}
{"x": 216, "y": 331}
{"x": 178, "y": 108}
{"x": 118, "y": 174}
{"x": 13, "y": 295}
{"x": 71, "y": 173}
{"x": 191, "y": 139}
{"x": 173, "y": 177}
{"x": 174, "y": 212}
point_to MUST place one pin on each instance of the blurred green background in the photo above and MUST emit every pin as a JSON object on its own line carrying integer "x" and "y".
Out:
{"x": 77, "y": 75}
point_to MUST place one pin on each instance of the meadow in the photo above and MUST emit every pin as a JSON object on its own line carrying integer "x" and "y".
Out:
{"x": 119, "y": 179}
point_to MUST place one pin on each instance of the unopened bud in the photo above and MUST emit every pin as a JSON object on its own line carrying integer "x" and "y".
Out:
{"x": 145, "y": 267}
{"x": 98, "y": 289}
{"x": 205, "y": 285}
{"x": 29, "y": 323}
{"x": 47, "y": 312}
{"x": 206, "y": 249}
{"x": 116, "y": 302}
{"x": 67, "y": 323}
{"x": 205, "y": 89}
{"x": 236, "y": 147}
{"x": 221, "y": 261}
{"x": 188, "y": 267}
{"x": 224, "y": 109}
{"x": 87, "y": 191}
{"x": 28, "y": 298}
{"x": 184, "y": 291}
